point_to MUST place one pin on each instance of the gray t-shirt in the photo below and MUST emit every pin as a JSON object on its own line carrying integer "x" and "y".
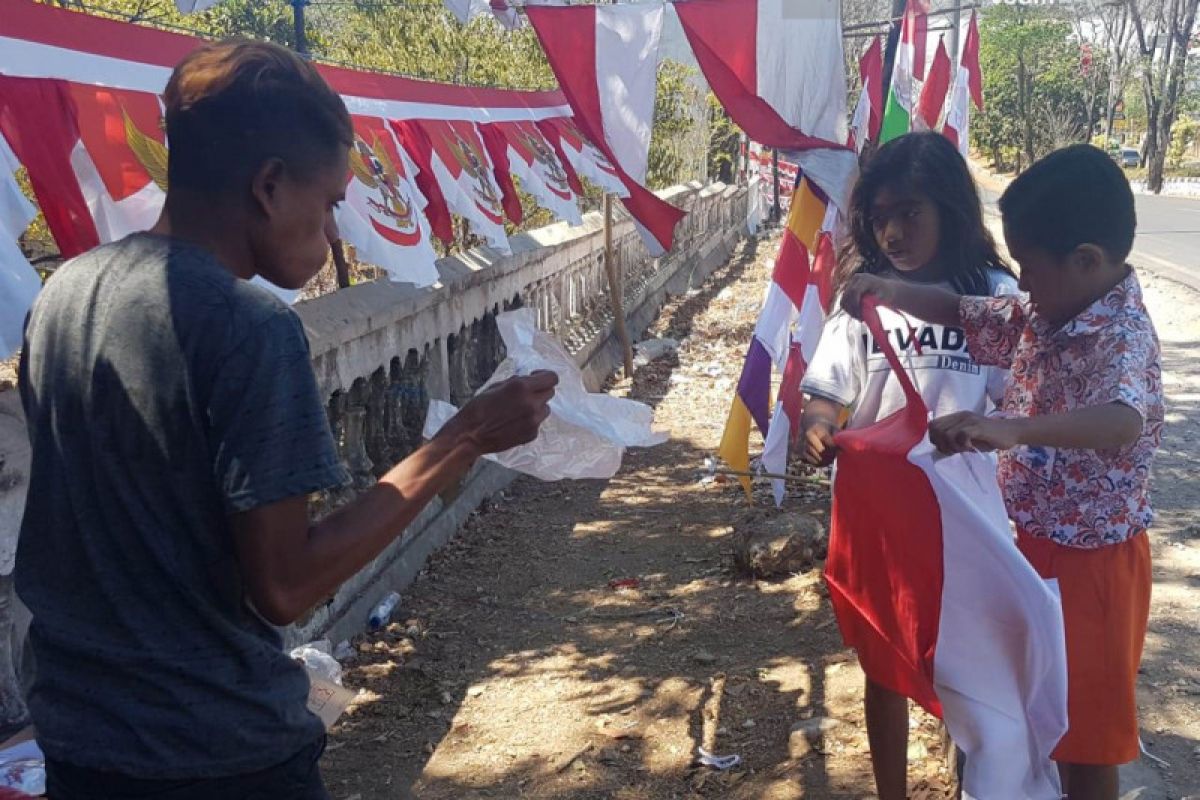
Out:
{"x": 162, "y": 395}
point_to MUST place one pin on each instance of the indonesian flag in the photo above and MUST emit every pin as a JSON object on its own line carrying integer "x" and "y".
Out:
{"x": 384, "y": 213}
{"x": 451, "y": 152}
{"x": 909, "y": 65}
{"x": 606, "y": 61}
{"x": 80, "y": 108}
{"x": 933, "y": 91}
{"x": 868, "y": 114}
{"x": 929, "y": 587}
{"x": 580, "y": 157}
{"x": 519, "y": 149}
{"x": 467, "y": 10}
{"x": 968, "y": 81}
{"x": 19, "y": 281}
{"x": 775, "y": 65}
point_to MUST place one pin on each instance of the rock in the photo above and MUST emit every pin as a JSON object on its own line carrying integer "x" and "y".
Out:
{"x": 474, "y": 691}
{"x": 652, "y": 349}
{"x": 816, "y": 727}
{"x": 774, "y": 543}
{"x": 806, "y": 735}
{"x": 704, "y": 657}
{"x": 748, "y": 724}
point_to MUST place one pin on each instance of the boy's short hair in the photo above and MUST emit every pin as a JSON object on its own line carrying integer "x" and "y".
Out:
{"x": 1077, "y": 195}
{"x": 232, "y": 105}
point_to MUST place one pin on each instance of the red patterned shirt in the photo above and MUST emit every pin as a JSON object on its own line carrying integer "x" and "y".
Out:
{"x": 1109, "y": 353}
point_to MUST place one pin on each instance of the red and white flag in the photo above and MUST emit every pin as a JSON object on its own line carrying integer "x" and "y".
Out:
{"x": 968, "y": 88}
{"x": 929, "y": 587}
{"x": 19, "y": 281}
{"x": 933, "y": 91}
{"x": 79, "y": 105}
{"x": 467, "y": 10}
{"x": 519, "y": 149}
{"x": 868, "y": 114}
{"x": 456, "y": 158}
{"x": 580, "y": 157}
{"x": 606, "y": 61}
{"x": 384, "y": 213}
{"x": 775, "y": 65}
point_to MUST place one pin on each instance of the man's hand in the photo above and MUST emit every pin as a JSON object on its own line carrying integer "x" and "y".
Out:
{"x": 967, "y": 431}
{"x": 507, "y": 414}
{"x": 819, "y": 449}
{"x": 863, "y": 284}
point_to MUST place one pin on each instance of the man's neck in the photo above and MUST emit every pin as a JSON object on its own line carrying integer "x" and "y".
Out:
{"x": 206, "y": 223}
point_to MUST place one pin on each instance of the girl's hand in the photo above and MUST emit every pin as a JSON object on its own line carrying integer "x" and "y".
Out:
{"x": 863, "y": 284}
{"x": 967, "y": 431}
{"x": 819, "y": 449}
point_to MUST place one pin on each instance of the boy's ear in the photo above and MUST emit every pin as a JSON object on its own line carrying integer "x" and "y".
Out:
{"x": 1087, "y": 257}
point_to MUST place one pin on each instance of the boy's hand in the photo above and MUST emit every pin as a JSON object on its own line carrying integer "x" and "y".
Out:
{"x": 966, "y": 431}
{"x": 819, "y": 449}
{"x": 863, "y": 284}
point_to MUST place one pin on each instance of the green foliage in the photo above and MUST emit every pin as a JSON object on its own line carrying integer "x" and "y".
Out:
{"x": 1032, "y": 84}
{"x": 724, "y": 142}
{"x": 1183, "y": 135}
{"x": 673, "y": 120}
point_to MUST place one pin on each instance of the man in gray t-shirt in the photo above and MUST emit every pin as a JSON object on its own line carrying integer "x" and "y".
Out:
{"x": 177, "y": 431}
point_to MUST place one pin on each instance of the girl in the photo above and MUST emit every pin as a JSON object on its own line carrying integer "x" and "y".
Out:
{"x": 914, "y": 215}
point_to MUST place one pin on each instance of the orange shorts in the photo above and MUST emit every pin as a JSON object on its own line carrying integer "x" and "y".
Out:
{"x": 1106, "y": 605}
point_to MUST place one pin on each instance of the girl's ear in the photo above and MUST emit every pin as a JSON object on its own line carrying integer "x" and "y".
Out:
{"x": 1087, "y": 257}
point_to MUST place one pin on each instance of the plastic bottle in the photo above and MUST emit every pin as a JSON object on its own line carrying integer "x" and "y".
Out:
{"x": 383, "y": 612}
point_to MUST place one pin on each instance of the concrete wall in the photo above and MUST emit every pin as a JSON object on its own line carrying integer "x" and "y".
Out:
{"x": 382, "y": 350}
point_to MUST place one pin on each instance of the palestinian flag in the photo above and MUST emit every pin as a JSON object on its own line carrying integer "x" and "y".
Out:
{"x": 909, "y": 64}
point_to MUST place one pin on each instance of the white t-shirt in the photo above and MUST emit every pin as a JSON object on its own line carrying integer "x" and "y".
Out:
{"x": 850, "y": 370}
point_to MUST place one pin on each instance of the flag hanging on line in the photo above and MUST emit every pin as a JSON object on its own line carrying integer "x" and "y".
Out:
{"x": 868, "y": 114}
{"x": 796, "y": 298}
{"x": 519, "y": 149}
{"x": 968, "y": 88}
{"x": 384, "y": 213}
{"x": 581, "y": 158}
{"x": 928, "y": 586}
{"x": 606, "y": 61}
{"x": 775, "y": 65}
{"x": 19, "y": 281}
{"x": 897, "y": 115}
{"x": 933, "y": 91}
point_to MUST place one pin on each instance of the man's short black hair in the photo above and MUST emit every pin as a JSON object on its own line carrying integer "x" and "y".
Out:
{"x": 1077, "y": 195}
{"x": 232, "y": 105}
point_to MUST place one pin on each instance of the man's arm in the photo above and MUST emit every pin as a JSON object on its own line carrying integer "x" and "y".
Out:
{"x": 930, "y": 303}
{"x": 1104, "y": 427}
{"x": 289, "y": 565}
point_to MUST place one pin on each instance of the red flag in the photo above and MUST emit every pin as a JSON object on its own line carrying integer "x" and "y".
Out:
{"x": 933, "y": 91}
{"x": 620, "y": 43}
{"x": 870, "y": 73}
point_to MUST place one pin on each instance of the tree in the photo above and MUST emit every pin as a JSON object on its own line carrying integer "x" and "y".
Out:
{"x": 724, "y": 143}
{"x": 1030, "y": 61}
{"x": 1163, "y": 31}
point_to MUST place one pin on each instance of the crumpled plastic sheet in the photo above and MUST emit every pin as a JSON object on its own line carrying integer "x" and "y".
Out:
{"x": 317, "y": 659}
{"x": 586, "y": 433}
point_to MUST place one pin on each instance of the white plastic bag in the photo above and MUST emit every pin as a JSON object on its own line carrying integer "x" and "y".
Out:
{"x": 585, "y": 434}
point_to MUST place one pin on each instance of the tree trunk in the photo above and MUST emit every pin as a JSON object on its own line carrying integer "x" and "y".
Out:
{"x": 1180, "y": 34}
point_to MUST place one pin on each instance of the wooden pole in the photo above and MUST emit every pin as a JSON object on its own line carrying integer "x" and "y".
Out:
{"x": 339, "y": 263}
{"x": 614, "y": 289}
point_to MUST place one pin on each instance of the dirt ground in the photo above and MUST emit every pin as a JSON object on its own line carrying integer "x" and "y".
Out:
{"x": 516, "y": 670}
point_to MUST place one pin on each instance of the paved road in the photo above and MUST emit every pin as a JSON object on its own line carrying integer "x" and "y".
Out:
{"x": 1168, "y": 239}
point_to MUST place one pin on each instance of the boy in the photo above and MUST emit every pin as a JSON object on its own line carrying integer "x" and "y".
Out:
{"x": 1082, "y": 417}
{"x": 177, "y": 432}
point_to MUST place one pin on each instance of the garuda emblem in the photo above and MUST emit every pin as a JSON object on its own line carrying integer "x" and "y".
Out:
{"x": 470, "y": 158}
{"x": 552, "y": 171}
{"x": 389, "y": 210}
{"x": 150, "y": 153}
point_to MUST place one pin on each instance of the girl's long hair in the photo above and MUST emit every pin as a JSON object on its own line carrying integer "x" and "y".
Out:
{"x": 924, "y": 163}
